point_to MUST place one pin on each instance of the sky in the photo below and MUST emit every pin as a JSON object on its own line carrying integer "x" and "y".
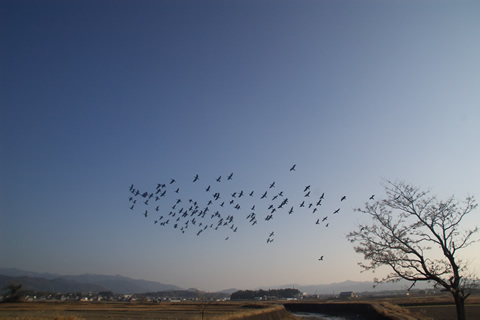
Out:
{"x": 98, "y": 95}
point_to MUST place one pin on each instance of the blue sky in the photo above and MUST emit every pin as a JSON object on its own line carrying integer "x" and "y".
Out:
{"x": 97, "y": 95}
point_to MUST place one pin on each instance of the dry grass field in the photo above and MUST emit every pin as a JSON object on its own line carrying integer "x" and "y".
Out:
{"x": 424, "y": 308}
{"x": 167, "y": 311}
{"x": 440, "y": 308}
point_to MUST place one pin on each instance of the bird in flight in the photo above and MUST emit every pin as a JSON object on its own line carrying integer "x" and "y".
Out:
{"x": 196, "y": 178}
{"x": 264, "y": 195}
{"x": 336, "y": 211}
{"x": 219, "y": 178}
{"x": 306, "y": 188}
{"x": 172, "y": 181}
{"x": 272, "y": 185}
{"x": 321, "y": 258}
{"x": 230, "y": 176}
{"x": 373, "y": 196}
{"x": 293, "y": 167}
{"x": 343, "y": 198}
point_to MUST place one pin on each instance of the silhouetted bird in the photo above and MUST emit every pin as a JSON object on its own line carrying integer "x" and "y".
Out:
{"x": 172, "y": 181}
{"x": 293, "y": 167}
{"x": 336, "y": 211}
{"x": 230, "y": 176}
{"x": 218, "y": 179}
{"x": 321, "y": 258}
{"x": 272, "y": 185}
{"x": 343, "y": 198}
{"x": 196, "y": 178}
{"x": 373, "y": 196}
{"x": 306, "y": 188}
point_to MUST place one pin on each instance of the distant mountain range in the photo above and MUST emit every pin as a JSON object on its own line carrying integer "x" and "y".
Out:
{"x": 81, "y": 283}
{"x": 119, "y": 284}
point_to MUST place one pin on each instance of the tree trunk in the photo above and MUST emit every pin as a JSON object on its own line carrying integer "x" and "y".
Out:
{"x": 460, "y": 305}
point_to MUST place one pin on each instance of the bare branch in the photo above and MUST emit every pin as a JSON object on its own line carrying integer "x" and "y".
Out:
{"x": 407, "y": 227}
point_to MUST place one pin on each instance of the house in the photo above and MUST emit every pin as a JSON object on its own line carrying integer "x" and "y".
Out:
{"x": 346, "y": 295}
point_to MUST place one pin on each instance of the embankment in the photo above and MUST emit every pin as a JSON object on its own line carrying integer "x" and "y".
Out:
{"x": 374, "y": 311}
{"x": 271, "y": 312}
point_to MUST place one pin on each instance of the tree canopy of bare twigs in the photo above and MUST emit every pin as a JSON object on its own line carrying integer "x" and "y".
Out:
{"x": 418, "y": 237}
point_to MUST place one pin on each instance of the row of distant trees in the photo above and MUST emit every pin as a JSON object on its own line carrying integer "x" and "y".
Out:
{"x": 252, "y": 294}
{"x": 186, "y": 294}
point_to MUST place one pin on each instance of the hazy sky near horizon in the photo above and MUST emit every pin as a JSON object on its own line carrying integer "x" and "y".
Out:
{"x": 98, "y": 95}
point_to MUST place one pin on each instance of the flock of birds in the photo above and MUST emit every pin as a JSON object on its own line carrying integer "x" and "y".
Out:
{"x": 221, "y": 209}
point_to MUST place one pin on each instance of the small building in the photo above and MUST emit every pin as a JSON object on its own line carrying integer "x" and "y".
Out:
{"x": 346, "y": 295}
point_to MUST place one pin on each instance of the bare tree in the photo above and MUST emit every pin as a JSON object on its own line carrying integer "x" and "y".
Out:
{"x": 418, "y": 236}
{"x": 14, "y": 293}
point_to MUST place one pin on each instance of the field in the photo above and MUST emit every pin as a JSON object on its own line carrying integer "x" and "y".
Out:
{"x": 120, "y": 310}
{"x": 440, "y": 308}
{"x": 425, "y": 308}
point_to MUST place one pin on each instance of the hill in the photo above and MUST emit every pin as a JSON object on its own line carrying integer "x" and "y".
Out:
{"x": 85, "y": 283}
